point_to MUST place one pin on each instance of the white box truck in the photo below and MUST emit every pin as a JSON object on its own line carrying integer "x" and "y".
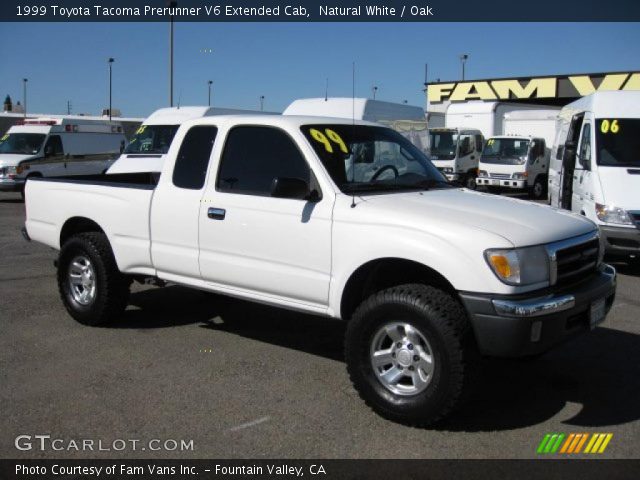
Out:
{"x": 519, "y": 158}
{"x": 53, "y": 147}
{"x": 456, "y": 153}
{"x": 595, "y": 166}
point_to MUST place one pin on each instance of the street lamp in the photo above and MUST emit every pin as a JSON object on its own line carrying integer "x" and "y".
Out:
{"x": 261, "y": 103}
{"x": 374, "y": 89}
{"x": 171, "y": 4}
{"x": 110, "y": 62}
{"x": 210, "y": 82}
{"x": 24, "y": 95}
{"x": 463, "y": 60}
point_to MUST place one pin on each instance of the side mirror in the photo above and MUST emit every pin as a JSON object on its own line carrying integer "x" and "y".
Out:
{"x": 293, "y": 188}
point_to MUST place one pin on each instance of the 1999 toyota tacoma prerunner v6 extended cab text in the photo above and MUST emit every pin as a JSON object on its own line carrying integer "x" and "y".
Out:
{"x": 339, "y": 218}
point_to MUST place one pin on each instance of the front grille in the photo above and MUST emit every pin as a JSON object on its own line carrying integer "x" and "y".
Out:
{"x": 503, "y": 176}
{"x": 577, "y": 261}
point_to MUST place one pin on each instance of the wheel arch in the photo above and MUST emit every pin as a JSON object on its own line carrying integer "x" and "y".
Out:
{"x": 382, "y": 273}
{"x": 76, "y": 225}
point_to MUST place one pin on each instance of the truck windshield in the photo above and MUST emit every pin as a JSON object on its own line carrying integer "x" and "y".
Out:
{"x": 27, "y": 143}
{"x": 443, "y": 145}
{"x": 506, "y": 151}
{"x": 618, "y": 142}
{"x": 361, "y": 158}
{"x": 152, "y": 139}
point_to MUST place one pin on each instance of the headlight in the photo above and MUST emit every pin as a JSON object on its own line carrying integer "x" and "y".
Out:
{"x": 482, "y": 173}
{"x": 520, "y": 175}
{"x": 611, "y": 214}
{"x": 447, "y": 170}
{"x": 520, "y": 266}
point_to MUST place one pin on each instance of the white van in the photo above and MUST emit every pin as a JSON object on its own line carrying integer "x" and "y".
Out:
{"x": 53, "y": 147}
{"x": 595, "y": 166}
{"x": 408, "y": 120}
{"x": 456, "y": 153}
{"x": 149, "y": 146}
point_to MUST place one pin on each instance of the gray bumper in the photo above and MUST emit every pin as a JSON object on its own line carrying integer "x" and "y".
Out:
{"x": 7, "y": 185}
{"x": 621, "y": 240}
{"x": 516, "y": 326}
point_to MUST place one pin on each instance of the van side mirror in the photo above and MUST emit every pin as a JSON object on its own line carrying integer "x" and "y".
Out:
{"x": 293, "y": 188}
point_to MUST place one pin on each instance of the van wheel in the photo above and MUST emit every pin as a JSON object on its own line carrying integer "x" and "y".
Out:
{"x": 410, "y": 353}
{"x": 92, "y": 288}
{"x": 538, "y": 190}
{"x": 470, "y": 182}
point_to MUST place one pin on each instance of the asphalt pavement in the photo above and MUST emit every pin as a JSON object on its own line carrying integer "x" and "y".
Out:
{"x": 247, "y": 381}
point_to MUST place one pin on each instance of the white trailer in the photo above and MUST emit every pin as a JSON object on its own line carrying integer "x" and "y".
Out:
{"x": 488, "y": 117}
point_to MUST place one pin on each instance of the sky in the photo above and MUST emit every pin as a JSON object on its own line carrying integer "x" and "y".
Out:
{"x": 285, "y": 61}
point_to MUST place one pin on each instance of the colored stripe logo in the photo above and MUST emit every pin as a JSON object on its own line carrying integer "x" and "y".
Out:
{"x": 574, "y": 443}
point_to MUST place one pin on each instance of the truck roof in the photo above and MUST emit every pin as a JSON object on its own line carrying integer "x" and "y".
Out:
{"x": 275, "y": 120}
{"x": 607, "y": 104}
{"x": 360, "y": 108}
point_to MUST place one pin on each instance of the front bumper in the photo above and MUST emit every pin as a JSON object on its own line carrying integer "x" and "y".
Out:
{"x": 528, "y": 324}
{"x": 621, "y": 240}
{"x": 10, "y": 185}
{"x": 501, "y": 182}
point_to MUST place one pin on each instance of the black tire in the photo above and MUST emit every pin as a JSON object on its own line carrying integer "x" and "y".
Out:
{"x": 442, "y": 321}
{"x": 539, "y": 189}
{"x": 111, "y": 287}
{"x": 470, "y": 182}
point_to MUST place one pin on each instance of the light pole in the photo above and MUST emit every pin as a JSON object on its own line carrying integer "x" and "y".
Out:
{"x": 110, "y": 62}
{"x": 463, "y": 60}
{"x": 261, "y": 103}
{"x": 24, "y": 95}
{"x": 210, "y": 82}
{"x": 171, "y": 4}
{"x": 374, "y": 89}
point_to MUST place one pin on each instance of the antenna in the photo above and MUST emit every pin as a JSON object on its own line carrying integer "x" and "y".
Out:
{"x": 179, "y": 98}
{"x": 353, "y": 122}
{"x": 426, "y": 75}
{"x": 326, "y": 90}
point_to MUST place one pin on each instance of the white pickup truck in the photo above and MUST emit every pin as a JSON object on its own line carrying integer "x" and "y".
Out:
{"x": 347, "y": 220}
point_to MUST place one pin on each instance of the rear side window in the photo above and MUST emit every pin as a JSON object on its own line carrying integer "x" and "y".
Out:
{"x": 191, "y": 165}
{"x": 254, "y": 156}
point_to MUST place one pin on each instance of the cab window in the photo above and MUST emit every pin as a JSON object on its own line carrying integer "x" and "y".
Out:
{"x": 253, "y": 156}
{"x": 53, "y": 146}
{"x": 192, "y": 163}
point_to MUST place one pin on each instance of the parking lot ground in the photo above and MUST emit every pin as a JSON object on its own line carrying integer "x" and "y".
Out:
{"x": 247, "y": 381}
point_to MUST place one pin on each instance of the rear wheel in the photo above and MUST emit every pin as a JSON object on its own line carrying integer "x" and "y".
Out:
{"x": 470, "y": 182}
{"x": 538, "y": 190}
{"x": 410, "y": 353}
{"x": 92, "y": 288}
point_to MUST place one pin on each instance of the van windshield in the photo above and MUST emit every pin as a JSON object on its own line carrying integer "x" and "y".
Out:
{"x": 505, "y": 151}
{"x": 26, "y": 143}
{"x": 368, "y": 159}
{"x": 443, "y": 145}
{"x": 618, "y": 142}
{"x": 152, "y": 139}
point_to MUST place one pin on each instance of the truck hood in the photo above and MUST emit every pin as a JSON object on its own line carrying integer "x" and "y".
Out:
{"x": 13, "y": 159}
{"x": 619, "y": 187}
{"x": 520, "y": 222}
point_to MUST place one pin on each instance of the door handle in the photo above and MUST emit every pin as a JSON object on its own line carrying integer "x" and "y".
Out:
{"x": 216, "y": 213}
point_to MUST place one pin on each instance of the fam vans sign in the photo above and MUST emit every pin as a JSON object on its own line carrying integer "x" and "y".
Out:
{"x": 569, "y": 86}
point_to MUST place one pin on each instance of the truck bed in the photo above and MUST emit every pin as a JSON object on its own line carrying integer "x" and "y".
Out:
{"x": 141, "y": 180}
{"x": 119, "y": 204}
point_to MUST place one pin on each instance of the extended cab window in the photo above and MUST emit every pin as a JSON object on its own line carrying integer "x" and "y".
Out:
{"x": 254, "y": 156}
{"x": 53, "y": 146}
{"x": 192, "y": 163}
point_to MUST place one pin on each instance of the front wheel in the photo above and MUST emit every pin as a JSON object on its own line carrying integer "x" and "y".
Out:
{"x": 470, "y": 182}
{"x": 410, "y": 352}
{"x": 92, "y": 288}
{"x": 538, "y": 190}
